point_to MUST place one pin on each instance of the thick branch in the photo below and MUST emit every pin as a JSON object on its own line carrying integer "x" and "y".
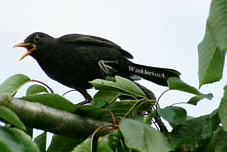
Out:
{"x": 36, "y": 115}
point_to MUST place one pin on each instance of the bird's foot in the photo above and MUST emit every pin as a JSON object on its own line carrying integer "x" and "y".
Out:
{"x": 107, "y": 69}
{"x": 84, "y": 102}
{"x": 86, "y": 96}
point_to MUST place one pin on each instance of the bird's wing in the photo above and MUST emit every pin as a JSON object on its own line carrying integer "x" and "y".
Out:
{"x": 93, "y": 40}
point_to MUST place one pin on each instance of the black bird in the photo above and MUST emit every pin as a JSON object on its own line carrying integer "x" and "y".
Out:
{"x": 76, "y": 59}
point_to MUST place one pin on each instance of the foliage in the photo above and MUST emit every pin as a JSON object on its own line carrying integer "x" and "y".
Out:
{"x": 213, "y": 47}
{"x": 136, "y": 123}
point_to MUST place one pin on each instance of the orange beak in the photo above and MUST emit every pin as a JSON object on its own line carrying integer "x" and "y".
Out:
{"x": 29, "y": 46}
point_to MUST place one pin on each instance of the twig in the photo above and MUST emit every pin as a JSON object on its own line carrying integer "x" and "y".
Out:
{"x": 83, "y": 102}
{"x": 160, "y": 97}
{"x": 147, "y": 92}
{"x": 68, "y": 92}
{"x": 43, "y": 84}
{"x": 112, "y": 115}
{"x": 157, "y": 118}
{"x": 161, "y": 125}
{"x": 97, "y": 130}
{"x": 180, "y": 103}
{"x": 133, "y": 106}
{"x": 155, "y": 125}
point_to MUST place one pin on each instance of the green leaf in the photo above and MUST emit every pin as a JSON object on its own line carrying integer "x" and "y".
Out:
{"x": 103, "y": 145}
{"x": 63, "y": 144}
{"x": 105, "y": 96}
{"x": 40, "y": 140}
{"x": 177, "y": 84}
{"x": 149, "y": 117}
{"x": 187, "y": 143}
{"x": 12, "y": 84}
{"x": 213, "y": 46}
{"x": 120, "y": 108}
{"x": 89, "y": 111}
{"x": 100, "y": 104}
{"x": 85, "y": 146}
{"x": 189, "y": 117}
{"x": 211, "y": 60}
{"x": 17, "y": 140}
{"x": 51, "y": 100}
{"x": 11, "y": 117}
{"x": 217, "y": 22}
{"x": 114, "y": 138}
{"x": 174, "y": 115}
{"x": 35, "y": 89}
{"x": 194, "y": 100}
{"x": 29, "y": 131}
{"x": 121, "y": 85}
{"x": 142, "y": 137}
{"x": 195, "y": 128}
{"x": 208, "y": 145}
{"x": 221, "y": 142}
{"x": 4, "y": 147}
{"x": 25, "y": 140}
{"x": 222, "y": 110}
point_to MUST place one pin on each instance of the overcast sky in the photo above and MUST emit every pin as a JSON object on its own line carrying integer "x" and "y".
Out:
{"x": 157, "y": 33}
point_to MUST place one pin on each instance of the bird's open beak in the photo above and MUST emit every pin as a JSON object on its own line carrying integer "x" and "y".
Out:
{"x": 29, "y": 46}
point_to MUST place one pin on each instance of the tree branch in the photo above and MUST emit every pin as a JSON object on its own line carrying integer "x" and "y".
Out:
{"x": 36, "y": 115}
{"x": 157, "y": 118}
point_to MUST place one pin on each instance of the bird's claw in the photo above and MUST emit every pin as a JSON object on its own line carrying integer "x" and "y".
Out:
{"x": 107, "y": 69}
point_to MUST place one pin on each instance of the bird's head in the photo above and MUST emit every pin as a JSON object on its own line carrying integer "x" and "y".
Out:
{"x": 36, "y": 43}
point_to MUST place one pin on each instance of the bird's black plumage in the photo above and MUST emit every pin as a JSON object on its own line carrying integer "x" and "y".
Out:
{"x": 75, "y": 59}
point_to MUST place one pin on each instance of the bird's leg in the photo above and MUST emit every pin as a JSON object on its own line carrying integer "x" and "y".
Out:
{"x": 107, "y": 69}
{"x": 87, "y": 97}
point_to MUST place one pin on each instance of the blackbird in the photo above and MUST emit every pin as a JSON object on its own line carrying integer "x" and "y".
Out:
{"x": 75, "y": 59}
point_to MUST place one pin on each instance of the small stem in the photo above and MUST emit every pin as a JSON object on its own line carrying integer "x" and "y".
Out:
{"x": 179, "y": 103}
{"x": 133, "y": 106}
{"x": 157, "y": 103}
{"x": 97, "y": 130}
{"x": 83, "y": 102}
{"x": 112, "y": 115}
{"x": 152, "y": 101}
{"x": 154, "y": 108}
{"x": 161, "y": 125}
{"x": 158, "y": 120}
{"x": 162, "y": 94}
{"x": 68, "y": 92}
{"x": 43, "y": 84}
{"x": 134, "y": 98}
{"x": 122, "y": 144}
{"x": 155, "y": 124}
{"x": 153, "y": 121}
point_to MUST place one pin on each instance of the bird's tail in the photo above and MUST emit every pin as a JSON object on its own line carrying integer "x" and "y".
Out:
{"x": 154, "y": 74}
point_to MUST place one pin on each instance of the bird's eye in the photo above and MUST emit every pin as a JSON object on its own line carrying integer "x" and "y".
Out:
{"x": 36, "y": 38}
